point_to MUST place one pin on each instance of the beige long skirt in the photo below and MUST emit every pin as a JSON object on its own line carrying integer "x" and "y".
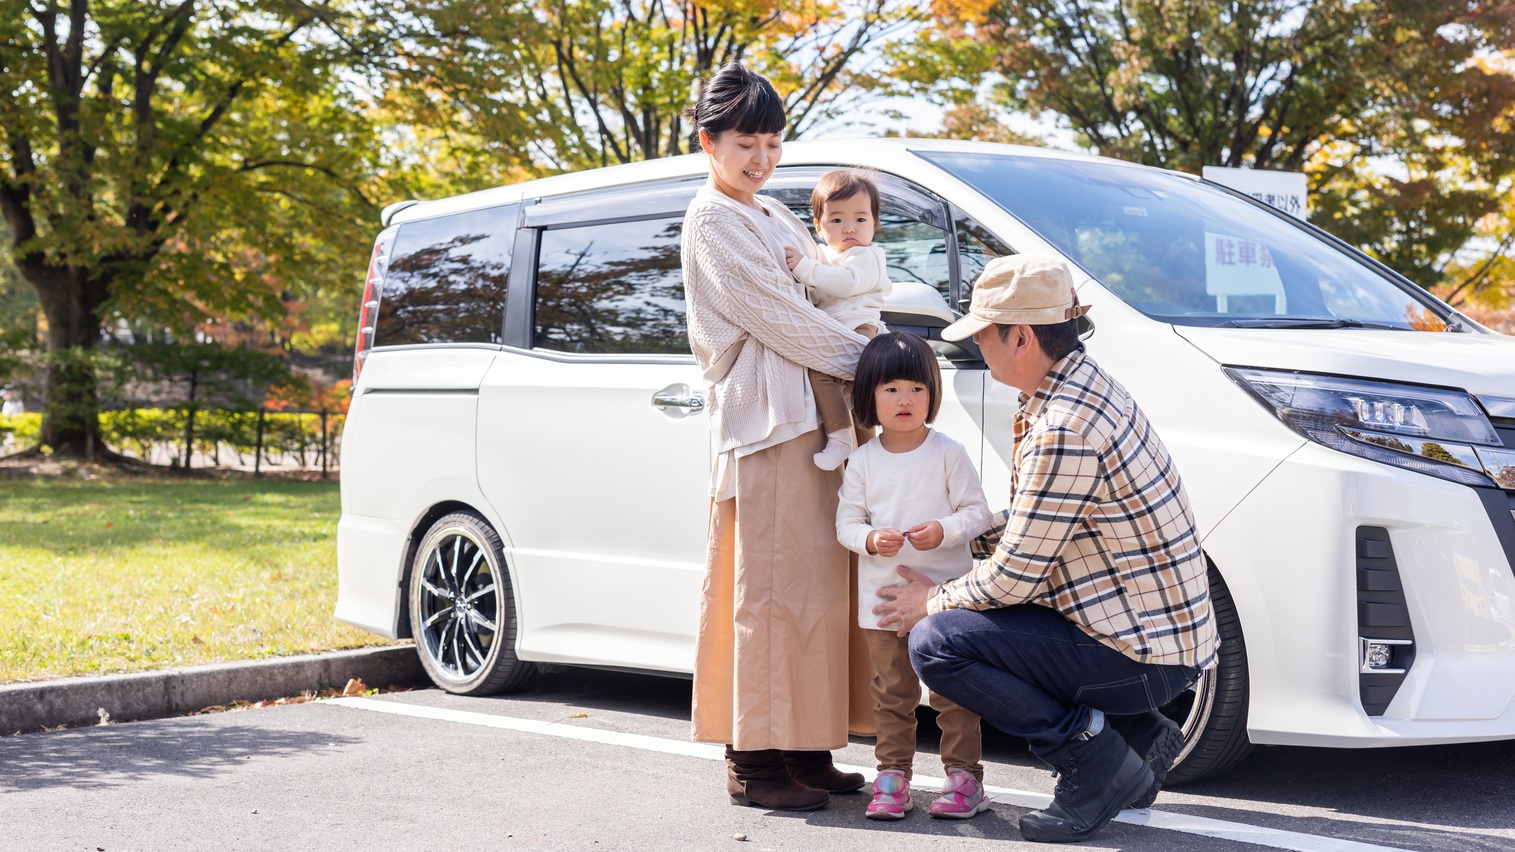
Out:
{"x": 780, "y": 661}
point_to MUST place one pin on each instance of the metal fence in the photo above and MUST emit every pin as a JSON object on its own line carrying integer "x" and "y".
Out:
{"x": 192, "y": 437}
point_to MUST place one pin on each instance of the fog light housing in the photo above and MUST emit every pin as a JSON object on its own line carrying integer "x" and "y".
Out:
{"x": 1379, "y": 655}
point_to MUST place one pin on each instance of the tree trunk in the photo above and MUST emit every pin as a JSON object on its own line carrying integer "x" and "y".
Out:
{"x": 71, "y": 298}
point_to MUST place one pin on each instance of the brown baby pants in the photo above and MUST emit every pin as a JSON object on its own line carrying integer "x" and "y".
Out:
{"x": 896, "y": 692}
{"x": 833, "y": 397}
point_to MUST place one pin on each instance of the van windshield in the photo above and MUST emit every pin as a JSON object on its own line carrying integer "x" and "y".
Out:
{"x": 1190, "y": 253}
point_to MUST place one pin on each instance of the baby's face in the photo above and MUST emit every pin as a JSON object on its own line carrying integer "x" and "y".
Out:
{"x": 847, "y": 222}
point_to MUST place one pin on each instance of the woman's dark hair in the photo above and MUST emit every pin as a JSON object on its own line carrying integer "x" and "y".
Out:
{"x": 895, "y": 356}
{"x": 735, "y": 98}
{"x": 841, "y": 185}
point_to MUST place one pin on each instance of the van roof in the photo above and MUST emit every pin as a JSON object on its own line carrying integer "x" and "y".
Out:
{"x": 873, "y": 152}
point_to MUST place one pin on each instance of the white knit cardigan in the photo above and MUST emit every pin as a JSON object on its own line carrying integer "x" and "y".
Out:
{"x": 751, "y": 328}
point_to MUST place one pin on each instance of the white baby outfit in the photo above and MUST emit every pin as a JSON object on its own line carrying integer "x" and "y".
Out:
{"x": 849, "y": 285}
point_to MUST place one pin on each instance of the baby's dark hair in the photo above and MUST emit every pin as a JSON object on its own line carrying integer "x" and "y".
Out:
{"x": 897, "y": 355}
{"x": 735, "y": 98}
{"x": 840, "y": 184}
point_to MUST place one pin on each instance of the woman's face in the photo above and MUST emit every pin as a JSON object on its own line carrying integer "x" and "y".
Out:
{"x": 740, "y": 163}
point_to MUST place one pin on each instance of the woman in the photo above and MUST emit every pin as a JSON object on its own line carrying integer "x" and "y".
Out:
{"x": 771, "y": 670}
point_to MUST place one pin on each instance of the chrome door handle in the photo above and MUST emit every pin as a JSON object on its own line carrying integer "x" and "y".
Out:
{"x": 664, "y": 401}
{"x": 683, "y": 399}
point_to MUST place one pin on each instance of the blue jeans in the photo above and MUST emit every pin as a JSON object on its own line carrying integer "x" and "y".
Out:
{"x": 1030, "y": 672}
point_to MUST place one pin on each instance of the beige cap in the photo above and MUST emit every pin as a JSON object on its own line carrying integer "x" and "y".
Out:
{"x": 1021, "y": 289}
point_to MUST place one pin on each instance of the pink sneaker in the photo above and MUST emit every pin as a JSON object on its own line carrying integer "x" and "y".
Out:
{"x": 891, "y": 796}
{"x": 962, "y": 797}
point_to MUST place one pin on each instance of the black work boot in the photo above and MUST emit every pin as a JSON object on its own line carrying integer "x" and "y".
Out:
{"x": 1096, "y": 777}
{"x": 759, "y": 778}
{"x": 1158, "y": 740}
{"x": 815, "y": 769}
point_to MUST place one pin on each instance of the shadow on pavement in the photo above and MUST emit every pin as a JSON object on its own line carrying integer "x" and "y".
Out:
{"x": 1001, "y": 822}
{"x": 644, "y": 694}
{"x": 118, "y": 755}
{"x": 1425, "y": 797}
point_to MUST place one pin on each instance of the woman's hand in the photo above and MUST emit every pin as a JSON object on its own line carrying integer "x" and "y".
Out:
{"x": 927, "y": 536}
{"x": 885, "y": 543}
{"x": 792, "y": 256}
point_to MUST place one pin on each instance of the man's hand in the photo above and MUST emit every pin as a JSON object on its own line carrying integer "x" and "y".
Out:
{"x": 792, "y": 256}
{"x": 904, "y": 605}
{"x": 885, "y": 542}
{"x": 927, "y": 536}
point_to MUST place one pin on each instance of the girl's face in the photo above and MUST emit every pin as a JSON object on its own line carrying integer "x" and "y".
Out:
{"x": 902, "y": 405}
{"x": 740, "y": 163}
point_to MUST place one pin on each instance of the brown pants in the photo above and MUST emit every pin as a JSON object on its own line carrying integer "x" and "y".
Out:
{"x": 896, "y": 693}
{"x": 779, "y": 659}
{"x": 830, "y": 402}
{"x": 833, "y": 397}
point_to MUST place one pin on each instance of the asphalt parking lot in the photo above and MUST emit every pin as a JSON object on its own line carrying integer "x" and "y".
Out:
{"x": 601, "y": 760}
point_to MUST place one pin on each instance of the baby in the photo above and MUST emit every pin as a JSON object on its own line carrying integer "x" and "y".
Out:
{"x": 850, "y": 286}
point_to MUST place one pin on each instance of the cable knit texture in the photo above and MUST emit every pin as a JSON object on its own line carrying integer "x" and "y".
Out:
{"x": 740, "y": 294}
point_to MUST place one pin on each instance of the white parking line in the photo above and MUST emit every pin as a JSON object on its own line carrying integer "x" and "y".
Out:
{"x": 1221, "y": 829}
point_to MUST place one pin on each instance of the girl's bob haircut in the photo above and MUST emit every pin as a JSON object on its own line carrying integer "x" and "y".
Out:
{"x": 735, "y": 98}
{"x": 895, "y": 356}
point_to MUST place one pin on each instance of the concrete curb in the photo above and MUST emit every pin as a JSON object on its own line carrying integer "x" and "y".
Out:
{"x": 76, "y": 701}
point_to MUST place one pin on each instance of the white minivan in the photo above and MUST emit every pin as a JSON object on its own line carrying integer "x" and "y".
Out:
{"x": 525, "y": 462}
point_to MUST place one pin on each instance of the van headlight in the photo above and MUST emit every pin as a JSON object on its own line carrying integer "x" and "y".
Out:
{"x": 1427, "y": 430}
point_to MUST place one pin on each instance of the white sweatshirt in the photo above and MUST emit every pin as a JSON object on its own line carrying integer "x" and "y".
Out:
{"x": 850, "y": 285}
{"x": 883, "y": 490}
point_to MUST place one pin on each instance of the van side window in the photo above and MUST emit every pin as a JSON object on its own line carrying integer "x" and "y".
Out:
{"x": 976, "y": 246}
{"x": 446, "y": 281}
{"x": 913, "y": 250}
{"x": 612, "y": 289}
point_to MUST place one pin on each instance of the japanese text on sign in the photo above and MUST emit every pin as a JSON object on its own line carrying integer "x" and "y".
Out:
{"x": 1284, "y": 191}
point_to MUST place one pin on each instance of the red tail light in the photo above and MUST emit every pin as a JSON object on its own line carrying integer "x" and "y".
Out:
{"x": 373, "y": 290}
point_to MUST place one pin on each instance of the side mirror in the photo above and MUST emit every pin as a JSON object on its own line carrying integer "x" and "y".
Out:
{"x": 921, "y": 310}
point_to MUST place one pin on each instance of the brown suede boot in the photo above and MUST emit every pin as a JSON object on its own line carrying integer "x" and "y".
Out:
{"x": 758, "y": 778}
{"x": 815, "y": 769}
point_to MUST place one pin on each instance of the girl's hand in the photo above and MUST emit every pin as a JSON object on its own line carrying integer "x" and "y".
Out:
{"x": 885, "y": 543}
{"x": 792, "y": 257}
{"x": 927, "y": 536}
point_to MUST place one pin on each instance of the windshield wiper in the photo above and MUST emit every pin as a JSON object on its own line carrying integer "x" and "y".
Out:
{"x": 1306, "y": 322}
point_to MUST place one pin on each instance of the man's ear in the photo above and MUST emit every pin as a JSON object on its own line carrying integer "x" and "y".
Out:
{"x": 1025, "y": 340}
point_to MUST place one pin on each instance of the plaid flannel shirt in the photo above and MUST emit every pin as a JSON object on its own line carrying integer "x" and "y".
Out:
{"x": 1098, "y": 527}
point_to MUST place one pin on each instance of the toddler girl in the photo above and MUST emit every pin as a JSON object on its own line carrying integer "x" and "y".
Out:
{"x": 850, "y": 286}
{"x": 909, "y": 497}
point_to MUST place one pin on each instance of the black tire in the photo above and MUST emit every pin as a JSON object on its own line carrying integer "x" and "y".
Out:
{"x": 1213, "y": 713}
{"x": 463, "y": 610}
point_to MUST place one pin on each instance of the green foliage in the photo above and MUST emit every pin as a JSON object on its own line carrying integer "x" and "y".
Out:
{"x": 1335, "y": 88}
{"x": 180, "y": 164}
{"x": 21, "y": 430}
{"x": 19, "y": 310}
{"x": 573, "y": 83}
{"x": 164, "y": 572}
{"x": 227, "y": 376}
{"x": 139, "y": 431}
{"x": 286, "y": 433}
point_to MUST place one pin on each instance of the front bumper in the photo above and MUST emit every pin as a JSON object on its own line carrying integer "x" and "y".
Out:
{"x": 1289, "y": 554}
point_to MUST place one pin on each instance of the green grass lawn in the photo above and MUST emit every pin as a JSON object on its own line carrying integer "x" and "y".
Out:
{"x": 131, "y": 573}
